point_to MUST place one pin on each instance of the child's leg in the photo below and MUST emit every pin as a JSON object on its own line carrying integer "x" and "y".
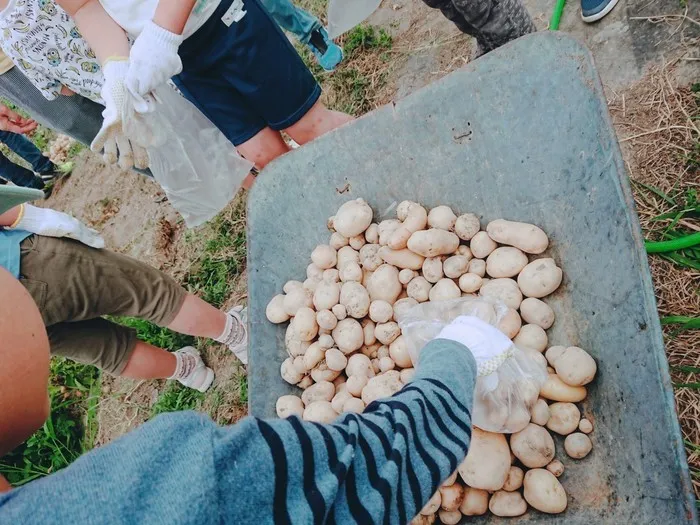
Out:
{"x": 264, "y": 147}
{"x": 317, "y": 121}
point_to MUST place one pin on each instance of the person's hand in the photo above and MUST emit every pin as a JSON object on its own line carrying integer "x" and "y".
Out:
{"x": 14, "y": 122}
{"x": 111, "y": 138}
{"x": 152, "y": 62}
{"x": 66, "y": 91}
{"x": 489, "y": 346}
{"x": 52, "y": 223}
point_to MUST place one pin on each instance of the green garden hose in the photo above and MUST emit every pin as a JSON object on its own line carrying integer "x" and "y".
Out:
{"x": 556, "y": 15}
{"x": 673, "y": 245}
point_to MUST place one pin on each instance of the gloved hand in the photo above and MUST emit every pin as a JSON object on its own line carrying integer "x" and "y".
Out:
{"x": 153, "y": 61}
{"x": 51, "y": 223}
{"x": 111, "y": 138}
{"x": 489, "y": 346}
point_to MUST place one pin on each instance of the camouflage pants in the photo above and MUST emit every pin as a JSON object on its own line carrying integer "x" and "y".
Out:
{"x": 492, "y": 22}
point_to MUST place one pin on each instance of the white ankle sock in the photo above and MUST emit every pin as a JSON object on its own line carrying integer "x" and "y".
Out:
{"x": 185, "y": 364}
{"x": 234, "y": 332}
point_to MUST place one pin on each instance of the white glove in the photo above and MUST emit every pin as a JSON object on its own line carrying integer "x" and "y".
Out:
{"x": 489, "y": 346}
{"x": 111, "y": 137}
{"x": 51, "y": 223}
{"x": 153, "y": 61}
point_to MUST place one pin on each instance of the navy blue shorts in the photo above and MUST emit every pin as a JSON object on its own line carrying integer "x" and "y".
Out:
{"x": 245, "y": 77}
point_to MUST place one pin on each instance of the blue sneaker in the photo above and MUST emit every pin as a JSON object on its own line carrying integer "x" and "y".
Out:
{"x": 594, "y": 10}
{"x": 327, "y": 52}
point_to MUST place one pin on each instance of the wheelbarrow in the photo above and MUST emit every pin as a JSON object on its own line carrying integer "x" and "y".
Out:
{"x": 523, "y": 134}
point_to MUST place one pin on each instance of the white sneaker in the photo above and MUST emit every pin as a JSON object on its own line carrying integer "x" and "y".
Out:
{"x": 239, "y": 337}
{"x": 192, "y": 370}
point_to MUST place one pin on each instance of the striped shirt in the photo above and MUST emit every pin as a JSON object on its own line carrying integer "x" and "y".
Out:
{"x": 381, "y": 466}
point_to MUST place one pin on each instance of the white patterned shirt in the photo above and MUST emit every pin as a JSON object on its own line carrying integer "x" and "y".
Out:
{"x": 44, "y": 43}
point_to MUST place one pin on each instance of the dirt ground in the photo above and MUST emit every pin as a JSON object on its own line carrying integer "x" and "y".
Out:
{"x": 136, "y": 219}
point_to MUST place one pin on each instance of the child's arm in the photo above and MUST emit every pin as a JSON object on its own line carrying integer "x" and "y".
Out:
{"x": 173, "y": 15}
{"x": 106, "y": 38}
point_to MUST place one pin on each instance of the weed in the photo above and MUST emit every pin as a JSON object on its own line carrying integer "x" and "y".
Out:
{"x": 365, "y": 37}
{"x": 176, "y": 397}
{"x": 75, "y": 149}
{"x": 156, "y": 335}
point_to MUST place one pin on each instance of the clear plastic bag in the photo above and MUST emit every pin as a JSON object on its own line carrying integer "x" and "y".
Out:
{"x": 502, "y": 399}
{"x": 343, "y": 15}
{"x": 195, "y": 164}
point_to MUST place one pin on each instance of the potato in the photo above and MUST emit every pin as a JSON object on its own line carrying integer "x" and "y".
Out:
{"x": 295, "y": 347}
{"x": 432, "y": 269}
{"x": 507, "y": 504}
{"x": 433, "y": 504}
{"x": 398, "y": 351}
{"x": 386, "y": 333}
{"x": 477, "y": 267}
{"x": 313, "y": 356}
{"x": 540, "y": 278}
{"x": 289, "y": 373}
{"x": 419, "y": 289}
{"x": 291, "y": 285}
{"x": 339, "y": 400}
{"x": 442, "y": 217}
{"x": 433, "y": 242}
{"x": 488, "y": 461}
{"x": 355, "y": 298}
{"x": 386, "y": 230}
{"x": 539, "y": 413}
{"x": 326, "y": 320}
{"x": 404, "y": 258}
{"x": 304, "y": 325}
{"x": 537, "y": 312}
{"x": 348, "y": 335}
{"x": 347, "y": 254}
{"x": 386, "y": 364}
{"x": 384, "y": 284}
{"x": 351, "y": 271}
{"x": 444, "y": 290}
{"x": 406, "y": 276}
{"x": 575, "y": 366}
{"x": 336, "y": 360}
{"x": 321, "y": 391}
{"x": 372, "y": 233}
{"x": 331, "y": 275}
{"x": 526, "y": 237}
{"x": 467, "y": 226}
{"x": 402, "y": 306}
{"x": 325, "y": 341}
{"x": 556, "y": 467}
{"x": 352, "y": 218}
{"x": 384, "y": 385}
{"x": 475, "y": 502}
{"x": 275, "y": 311}
{"x": 357, "y": 242}
{"x": 555, "y": 389}
{"x": 533, "y": 446}
{"x": 505, "y": 262}
{"x": 455, "y": 266}
{"x": 543, "y": 491}
{"x": 311, "y": 284}
{"x": 578, "y": 445}
{"x": 369, "y": 257}
{"x": 482, "y": 245}
{"x": 289, "y": 406}
{"x": 298, "y": 364}
{"x": 451, "y": 496}
{"x": 296, "y": 298}
{"x": 368, "y": 328}
{"x": 337, "y": 241}
{"x": 531, "y": 336}
{"x": 422, "y": 519}
{"x": 585, "y": 426}
{"x": 358, "y": 365}
{"x": 320, "y": 412}
{"x": 505, "y": 290}
{"x": 354, "y": 404}
{"x": 449, "y": 517}
{"x": 323, "y": 373}
{"x": 339, "y": 310}
{"x": 514, "y": 480}
{"x": 413, "y": 217}
{"x": 469, "y": 282}
{"x": 380, "y": 311}
{"x": 326, "y": 295}
{"x": 510, "y": 323}
{"x": 324, "y": 256}
{"x": 407, "y": 375}
{"x": 356, "y": 383}
{"x": 563, "y": 418}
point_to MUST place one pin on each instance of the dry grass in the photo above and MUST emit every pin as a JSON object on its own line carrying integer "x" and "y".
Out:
{"x": 657, "y": 127}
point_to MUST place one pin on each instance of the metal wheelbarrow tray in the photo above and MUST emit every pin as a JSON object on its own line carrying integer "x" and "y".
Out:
{"x": 523, "y": 134}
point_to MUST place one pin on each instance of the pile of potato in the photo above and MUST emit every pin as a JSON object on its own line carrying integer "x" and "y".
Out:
{"x": 346, "y": 349}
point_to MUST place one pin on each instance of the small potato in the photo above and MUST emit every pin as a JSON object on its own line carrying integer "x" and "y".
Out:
{"x": 413, "y": 217}
{"x": 585, "y": 426}
{"x": 467, "y": 226}
{"x": 336, "y": 360}
{"x": 381, "y": 386}
{"x": 507, "y": 504}
{"x": 537, "y": 312}
{"x": 295, "y": 347}
{"x": 313, "y": 356}
{"x": 275, "y": 311}
{"x": 354, "y": 404}
{"x": 555, "y": 389}
{"x": 384, "y": 284}
{"x": 386, "y": 364}
{"x": 355, "y": 298}
{"x": 305, "y": 383}
{"x": 406, "y": 276}
{"x": 407, "y": 375}
{"x": 404, "y": 259}
{"x": 299, "y": 365}
{"x": 433, "y": 504}
{"x": 475, "y": 502}
{"x": 478, "y": 267}
{"x": 402, "y": 306}
{"x": 527, "y": 237}
{"x": 369, "y": 257}
{"x": 289, "y": 373}
{"x": 419, "y": 289}
{"x": 540, "y": 278}
{"x": 324, "y": 256}
{"x": 291, "y": 285}
{"x": 289, "y": 406}
{"x": 514, "y": 480}
{"x": 296, "y": 298}
{"x": 358, "y": 365}
{"x": 311, "y": 284}
{"x": 332, "y": 275}
{"x": 505, "y": 290}
{"x": 556, "y": 467}
{"x": 380, "y": 311}
{"x": 578, "y": 445}
{"x": 531, "y": 336}
{"x": 325, "y": 341}
{"x": 505, "y": 262}
{"x": 456, "y": 266}
{"x": 339, "y": 400}
{"x": 326, "y": 295}
{"x": 339, "y": 310}
{"x": 383, "y": 351}
{"x": 347, "y": 254}
{"x": 372, "y": 233}
{"x": 553, "y": 353}
{"x": 563, "y": 418}
{"x": 444, "y": 290}
{"x": 348, "y": 335}
{"x": 482, "y": 245}
{"x": 386, "y": 230}
{"x": 386, "y": 333}
{"x": 442, "y": 217}
{"x": 510, "y": 323}
{"x": 575, "y": 366}
{"x": 433, "y": 242}
{"x": 543, "y": 491}
{"x": 326, "y": 320}
{"x": 357, "y": 242}
{"x": 451, "y": 480}
{"x": 323, "y": 373}
{"x": 368, "y": 328}
{"x": 449, "y": 517}
{"x": 469, "y": 282}
{"x": 351, "y": 271}
{"x": 314, "y": 272}
{"x": 353, "y": 218}
{"x": 432, "y": 269}
{"x": 322, "y": 391}
{"x": 533, "y": 446}
{"x": 371, "y": 350}
{"x": 539, "y": 413}
{"x": 304, "y": 325}
{"x": 398, "y": 351}
{"x": 420, "y": 519}
{"x": 488, "y": 461}
{"x": 464, "y": 251}
{"x": 337, "y": 241}
{"x": 320, "y": 412}
{"x": 356, "y": 384}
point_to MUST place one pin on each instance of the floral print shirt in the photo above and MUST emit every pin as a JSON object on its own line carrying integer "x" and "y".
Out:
{"x": 44, "y": 43}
